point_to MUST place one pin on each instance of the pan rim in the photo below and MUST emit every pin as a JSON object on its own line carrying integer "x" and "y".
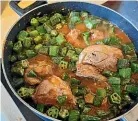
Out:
{"x": 8, "y": 82}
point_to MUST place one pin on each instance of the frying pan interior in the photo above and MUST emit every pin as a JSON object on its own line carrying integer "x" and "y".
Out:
{"x": 65, "y": 8}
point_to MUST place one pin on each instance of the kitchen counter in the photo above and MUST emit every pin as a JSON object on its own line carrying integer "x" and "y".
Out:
{"x": 128, "y": 9}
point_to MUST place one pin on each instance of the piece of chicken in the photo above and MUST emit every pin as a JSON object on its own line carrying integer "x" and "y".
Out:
{"x": 41, "y": 68}
{"x": 48, "y": 91}
{"x": 103, "y": 57}
{"x": 97, "y": 34}
{"x": 89, "y": 71}
{"x": 74, "y": 37}
{"x": 97, "y": 58}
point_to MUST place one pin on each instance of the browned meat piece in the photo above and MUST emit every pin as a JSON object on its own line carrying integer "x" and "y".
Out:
{"x": 48, "y": 91}
{"x": 41, "y": 68}
{"x": 102, "y": 57}
{"x": 74, "y": 37}
{"x": 89, "y": 71}
{"x": 96, "y": 34}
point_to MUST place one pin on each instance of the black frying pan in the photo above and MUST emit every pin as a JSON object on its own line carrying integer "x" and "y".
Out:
{"x": 33, "y": 11}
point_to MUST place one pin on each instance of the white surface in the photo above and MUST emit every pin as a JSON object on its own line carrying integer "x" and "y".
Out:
{"x": 9, "y": 110}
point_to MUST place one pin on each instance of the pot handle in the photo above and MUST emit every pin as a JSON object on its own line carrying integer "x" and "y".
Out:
{"x": 20, "y": 11}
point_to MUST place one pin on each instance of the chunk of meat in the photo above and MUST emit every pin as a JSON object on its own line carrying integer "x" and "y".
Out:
{"x": 89, "y": 71}
{"x": 48, "y": 91}
{"x": 102, "y": 57}
{"x": 96, "y": 34}
{"x": 41, "y": 68}
{"x": 74, "y": 37}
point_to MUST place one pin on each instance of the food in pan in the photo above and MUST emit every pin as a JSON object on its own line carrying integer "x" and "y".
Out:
{"x": 74, "y": 67}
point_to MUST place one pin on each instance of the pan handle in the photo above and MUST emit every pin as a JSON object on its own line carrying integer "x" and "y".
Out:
{"x": 14, "y": 5}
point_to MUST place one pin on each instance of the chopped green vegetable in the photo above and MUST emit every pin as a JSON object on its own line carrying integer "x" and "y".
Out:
{"x": 97, "y": 101}
{"x": 22, "y": 55}
{"x": 27, "y": 42}
{"x": 69, "y": 46}
{"x": 63, "y": 64}
{"x": 125, "y": 73}
{"x": 127, "y": 98}
{"x": 47, "y": 37}
{"x": 81, "y": 103}
{"x": 57, "y": 60}
{"x": 41, "y": 30}
{"x": 25, "y": 92}
{"x": 79, "y": 90}
{"x": 75, "y": 57}
{"x": 89, "y": 118}
{"x": 13, "y": 58}
{"x": 74, "y": 81}
{"x": 48, "y": 27}
{"x": 43, "y": 50}
{"x": 65, "y": 76}
{"x": 102, "y": 113}
{"x": 54, "y": 33}
{"x": 63, "y": 51}
{"x": 101, "y": 92}
{"x": 10, "y": 44}
{"x": 73, "y": 19}
{"x": 55, "y": 19}
{"x": 107, "y": 73}
{"x": 74, "y": 115}
{"x": 22, "y": 34}
{"x": 38, "y": 47}
{"x": 115, "y": 98}
{"x": 17, "y": 46}
{"x": 128, "y": 48}
{"x": 125, "y": 81}
{"x": 113, "y": 40}
{"x": 114, "y": 80}
{"x": 86, "y": 36}
{"x": 86, "y": 109}
{"x": 72, "y": 66}
{"x": 42, "y": 19}
{"x": 40, "y": 107}
{"x": 30, "y": 53}
{"x": 70, "y": 53}
{"x": 22, "y": 63}
{"x": 61, "y": 99}
{"x": 53, "y": 50}
{"x": 60, "y": 39}
{"x": 31, "y": 73}
{"x": 53, "y": 41}
{"x": 34, "y": 33}
{"x": 63, "y": 113}
{"x": 34, "y": 22}
{"x": 134, "y": 67}
{"x": 91, "y": 23}
{"x": 132, "y": 89}
{"x": 123, "y": 63}
{"x": 17, "y": 70}
{"x": 78, "y": 50}
{"x": 38, "y": 39}
{"x": 117, "y": 89}
{"x": 53, "y": 112}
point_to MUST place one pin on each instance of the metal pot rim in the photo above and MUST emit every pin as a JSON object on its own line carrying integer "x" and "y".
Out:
{"x": 26, "y": 104}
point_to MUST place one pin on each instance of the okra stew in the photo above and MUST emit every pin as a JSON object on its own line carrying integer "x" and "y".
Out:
{"x": 76, "y": 67}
